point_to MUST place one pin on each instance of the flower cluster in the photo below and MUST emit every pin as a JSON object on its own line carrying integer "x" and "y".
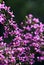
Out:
{"x": 20, "y": 45}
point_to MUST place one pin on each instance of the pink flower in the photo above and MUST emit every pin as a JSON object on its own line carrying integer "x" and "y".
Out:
{"x": 36, "y": 20}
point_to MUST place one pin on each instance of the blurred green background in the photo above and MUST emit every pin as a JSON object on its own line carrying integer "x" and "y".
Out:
{"x": 21, "y": 8}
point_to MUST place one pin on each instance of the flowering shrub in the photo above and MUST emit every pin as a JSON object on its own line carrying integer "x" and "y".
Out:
{"x": 26, "y": 42}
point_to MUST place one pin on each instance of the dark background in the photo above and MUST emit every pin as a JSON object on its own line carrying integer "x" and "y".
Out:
{"x": 21, "y": 8}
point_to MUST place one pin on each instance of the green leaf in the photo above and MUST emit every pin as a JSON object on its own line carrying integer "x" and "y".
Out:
{"x": 1, "y": 1}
